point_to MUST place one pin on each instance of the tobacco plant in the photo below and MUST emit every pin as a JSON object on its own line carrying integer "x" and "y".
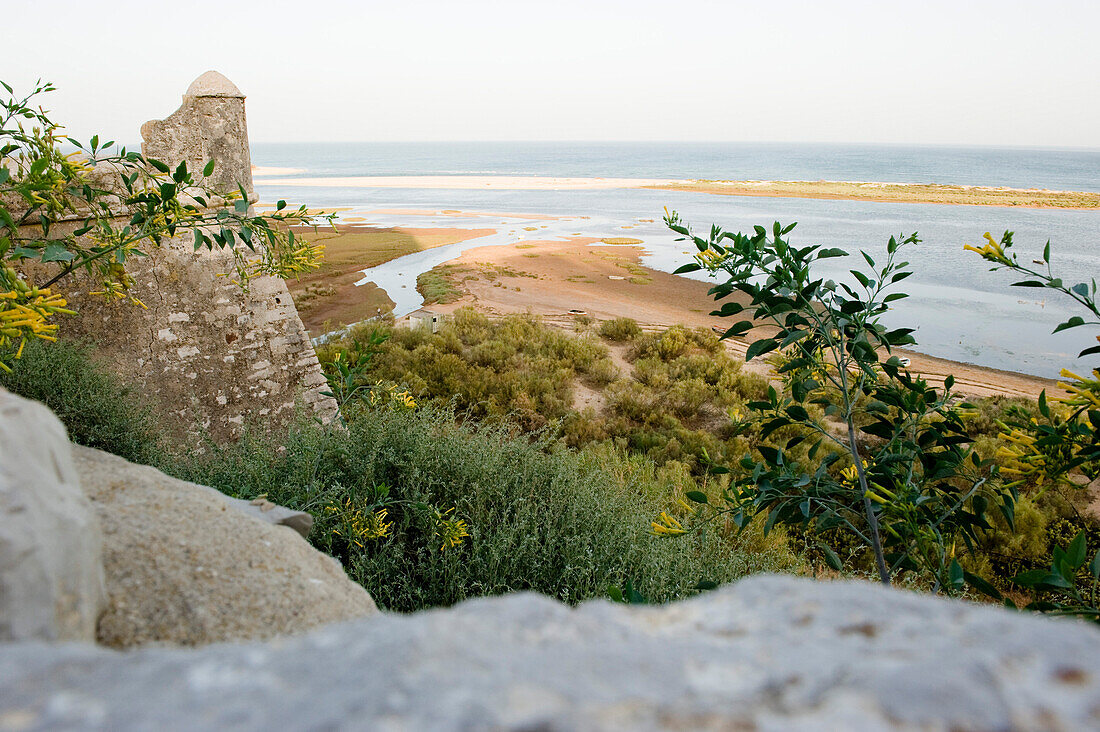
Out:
{"x": 94, "y": 208}
{"x": 889, "y": 459}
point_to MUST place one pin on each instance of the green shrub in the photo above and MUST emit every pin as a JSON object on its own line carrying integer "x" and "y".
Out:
{"x": 97, "y": 409}
{"x": 540, "y": 518}
{"x": 514, "y": 367}
{"x": 620, "y": 329}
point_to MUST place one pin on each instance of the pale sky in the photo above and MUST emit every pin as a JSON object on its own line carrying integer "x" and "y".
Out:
{"x": 996, "y": 72}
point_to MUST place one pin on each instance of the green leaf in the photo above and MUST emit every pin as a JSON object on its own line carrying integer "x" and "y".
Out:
{"x": 697, "y": 497}
{"x": 982, "y": 586}
{"x": 830, "y": 557}
{"x": 57, "y": 253}
{"x": 830, "y": 253}
{"x": 1075, "y": 552}
{"x": 691, "y": 267}
{"x": 798, "y": 413}
{"x": 760, "y": 347}
{"x": 738, "y": 328}
{"x": 1071, "y": 323}
{"x": 208, "y": 169}
{"x": 955, "y": 573}
{"x": 162, "y": 167}
{"x": 1044, "y": 408}
{"x": 1094, "y": 566}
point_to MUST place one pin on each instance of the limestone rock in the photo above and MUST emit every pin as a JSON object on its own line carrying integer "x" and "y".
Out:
{"x": 209, "y": 125}
{"x": 213, "y": 84}
{"x": 768, "y": 653}
{"x": 272, "y": 513}
{"x": 183, "y": 566}
{"x": 51, "y": 578}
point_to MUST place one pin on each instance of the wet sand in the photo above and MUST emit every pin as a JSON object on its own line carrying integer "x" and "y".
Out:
{"x": 328, "y": 297}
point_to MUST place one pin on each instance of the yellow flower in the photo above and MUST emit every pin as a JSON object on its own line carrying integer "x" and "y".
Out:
{"x": 710, "y": 259}
{"x": 991, "y": 251}
{"x": 850, "y": 475}
{"x": 450, "y": 531}
{"x": 666, "y": 525}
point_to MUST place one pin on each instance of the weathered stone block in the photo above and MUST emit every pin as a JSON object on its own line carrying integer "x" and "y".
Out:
{"x": 768, "y": 653}
{"x": 185, "y": 564}
{"x": 51, "y": 574}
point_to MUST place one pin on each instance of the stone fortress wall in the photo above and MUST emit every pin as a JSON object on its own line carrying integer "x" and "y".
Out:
{"x": 208, "y": 354}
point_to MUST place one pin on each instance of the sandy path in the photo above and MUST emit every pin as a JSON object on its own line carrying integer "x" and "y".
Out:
{"x": 607, "y": 282}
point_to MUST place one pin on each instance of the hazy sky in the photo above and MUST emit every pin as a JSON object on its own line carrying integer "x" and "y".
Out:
{"x": 994, "y": 72}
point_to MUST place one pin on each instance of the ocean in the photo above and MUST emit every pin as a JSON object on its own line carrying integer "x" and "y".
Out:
{"x": 961, "y": 310}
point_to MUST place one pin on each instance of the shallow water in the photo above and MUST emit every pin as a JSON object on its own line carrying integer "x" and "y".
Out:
{"x": 960, "y": 309}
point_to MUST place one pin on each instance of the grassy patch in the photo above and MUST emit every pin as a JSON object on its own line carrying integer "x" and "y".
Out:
{"x": 96, "y": 407}
{"x": 440, "y": 285}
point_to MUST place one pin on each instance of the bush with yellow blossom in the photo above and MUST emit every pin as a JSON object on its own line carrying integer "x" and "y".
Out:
{"x": 115, "y": 205}
{"x": 1058, "y": 447}
{"x": 889, "y": 461}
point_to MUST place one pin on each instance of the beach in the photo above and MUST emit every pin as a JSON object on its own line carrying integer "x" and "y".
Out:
{"x": 559, "y": 281}
{"x": 878, "y": 192}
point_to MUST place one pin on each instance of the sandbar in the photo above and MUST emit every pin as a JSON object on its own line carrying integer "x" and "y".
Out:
{"x": 473, "y": 182}
{"x": 892, "y": 192}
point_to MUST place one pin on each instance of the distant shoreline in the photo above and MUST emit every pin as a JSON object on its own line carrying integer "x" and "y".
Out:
{"x": 958, "y": 195}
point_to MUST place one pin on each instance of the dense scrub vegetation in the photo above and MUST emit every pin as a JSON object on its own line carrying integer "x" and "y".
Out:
{"x": 565, "y": 523}
{"x": 679, "y": 401}
{"x": 424, "y": 508}
{"x": 674, "y": 405}
{"x": 97, "y": 409}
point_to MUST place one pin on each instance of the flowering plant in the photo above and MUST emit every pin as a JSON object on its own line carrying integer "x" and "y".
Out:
{"x": 889, "y": 460}
{"x": 97, "y": 207}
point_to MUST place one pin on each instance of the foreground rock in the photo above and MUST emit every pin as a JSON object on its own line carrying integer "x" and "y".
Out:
{"x": 51, "y": 578}
{"x": 183, "y": 566}
{"x": 768, "y": 653}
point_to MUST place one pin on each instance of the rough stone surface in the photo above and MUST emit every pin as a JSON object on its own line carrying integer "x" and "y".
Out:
{"x": 272, "y": 513}
{"x": 208, "y": 354}
{"x": 769, "y": 653}
{"x": 51, "y": 577}
{"x": 213, "y": 84}
{"x": 209, "y": 125}
{"x": 182, "y": 566}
